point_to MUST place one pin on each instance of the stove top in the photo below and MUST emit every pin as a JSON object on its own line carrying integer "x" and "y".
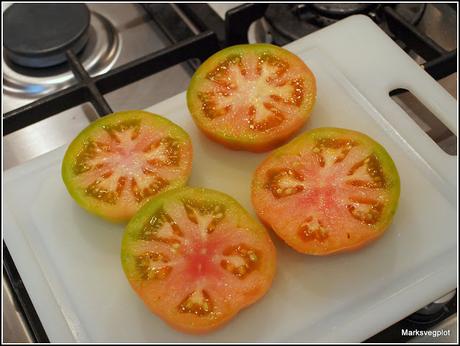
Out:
{"x": 117, "y": 48}
{"x": 118, "y": 34}
{"x": 98, "y": 55}
{"x": 291, "y": 21}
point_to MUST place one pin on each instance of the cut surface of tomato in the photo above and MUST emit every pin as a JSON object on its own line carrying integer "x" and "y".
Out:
{"x": 329, "y": 190}
{"x": 196, "y": 258}
{"x": 251, "y": 97}
{"x": 120, "y": 161}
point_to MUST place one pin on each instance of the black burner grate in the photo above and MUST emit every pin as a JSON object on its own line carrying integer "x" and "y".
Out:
{"x": 214, "y": 33}
{"x": 91, "y": 89}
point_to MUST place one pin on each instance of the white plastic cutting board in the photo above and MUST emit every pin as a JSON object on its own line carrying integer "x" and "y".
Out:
{"x": 70, "y": 262}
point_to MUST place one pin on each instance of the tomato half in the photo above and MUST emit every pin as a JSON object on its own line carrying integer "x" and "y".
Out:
{"x": 196, "y": 258}
{"x": 329, "y": 190}
{"x": 120, "y": 161}
{"x": 251, "y": 97}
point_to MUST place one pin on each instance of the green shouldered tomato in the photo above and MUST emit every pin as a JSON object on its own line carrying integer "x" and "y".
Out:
{"x": 196, "y": 258}
{"x": 327, "y": 191}
{"x": 120, "y": 161}
{"x": 251, "y": 97}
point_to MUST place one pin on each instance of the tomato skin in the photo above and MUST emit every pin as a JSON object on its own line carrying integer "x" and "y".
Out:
{"x": 159, "y": 296}
{"x": 254, "y": 147}
{"x": 121, "y": 214}
{"x": 261, "y": 202}
{"x": 257, "y": 142}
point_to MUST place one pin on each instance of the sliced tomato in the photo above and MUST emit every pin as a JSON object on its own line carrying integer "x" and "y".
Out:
{"x": 251, "y": 97}
{"x": 120, "y": 161}
{"x": 196, "y": 258}
{"x": 329, "y": 190}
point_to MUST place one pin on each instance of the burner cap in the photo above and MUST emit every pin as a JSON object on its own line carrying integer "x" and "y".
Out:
{"x": 341, "y": 10}
{"x": 38, "y": 35}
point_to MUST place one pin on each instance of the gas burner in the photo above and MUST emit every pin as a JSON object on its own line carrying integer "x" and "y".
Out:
{"x": 323, "y": 15}
{"x": 38, "y": 35}
{"x": 436, "y": 311}
{"x": 341, "y": 10}
{"x": 284, "y": 23}
{"x": 99, "y": 53}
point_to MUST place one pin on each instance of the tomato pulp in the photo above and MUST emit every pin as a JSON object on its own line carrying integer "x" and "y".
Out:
{"x": 251, "y": 97}
{"x": 329, "y": 190}
{"x": 120, "y": 161}
{"x": 196, "y": 258}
